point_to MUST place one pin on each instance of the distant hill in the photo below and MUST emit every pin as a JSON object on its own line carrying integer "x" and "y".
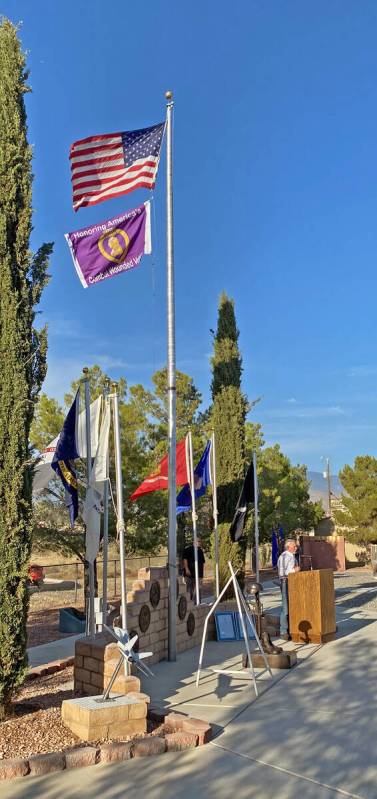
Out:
{"x": 318, "y": 487}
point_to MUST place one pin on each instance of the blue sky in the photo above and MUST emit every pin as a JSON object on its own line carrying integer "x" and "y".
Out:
{"x": 275, "y": 198}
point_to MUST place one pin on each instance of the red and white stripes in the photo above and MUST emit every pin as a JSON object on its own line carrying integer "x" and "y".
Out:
{"x": 99, "y": 172}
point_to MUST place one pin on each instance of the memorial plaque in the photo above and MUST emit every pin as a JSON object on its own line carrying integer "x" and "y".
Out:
{"x": 191, "y": 624}
{"x": 144, "y": 618}
{"x": 155, "y": 594}
{"x": 182, "y": 607}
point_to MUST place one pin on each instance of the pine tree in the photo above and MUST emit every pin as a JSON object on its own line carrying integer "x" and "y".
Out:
{"x": 22, "y": 359}
{"x": 357, "y": 513}
{"x": 228, "y": 415}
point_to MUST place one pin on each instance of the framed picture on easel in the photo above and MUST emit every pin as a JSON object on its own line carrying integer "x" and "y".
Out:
{"x": 238, "y": 627}
{"x": 226, "y": 626}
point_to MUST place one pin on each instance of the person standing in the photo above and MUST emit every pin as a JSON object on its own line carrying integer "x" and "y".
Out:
{"x": 188, "y": 564}
{"x": 286, "y": 565}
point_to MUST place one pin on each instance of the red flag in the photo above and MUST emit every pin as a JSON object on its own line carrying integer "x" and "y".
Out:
{"x": 159, "y": 478}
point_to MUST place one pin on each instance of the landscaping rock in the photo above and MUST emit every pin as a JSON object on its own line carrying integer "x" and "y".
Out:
{"x": 198, "y": 727}
{"x": 174, "y": 721}
{"x": 148, "y": 746}
{"x": 45, "y": 764}
{"x": 81, "y": 756}
{"x": 177, "y": 741}
{"x": 10, "y": 769}
{"x": 112, "y": 752}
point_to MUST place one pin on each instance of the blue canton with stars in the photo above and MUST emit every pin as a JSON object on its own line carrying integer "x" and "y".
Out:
{"x": 142, "y": 143}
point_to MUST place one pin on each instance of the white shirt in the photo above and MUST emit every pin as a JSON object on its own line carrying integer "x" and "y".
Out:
{"x": 286, "y": 563}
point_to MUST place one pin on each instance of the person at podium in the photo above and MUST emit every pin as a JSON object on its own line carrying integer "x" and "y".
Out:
{"x": 286, "y": 564}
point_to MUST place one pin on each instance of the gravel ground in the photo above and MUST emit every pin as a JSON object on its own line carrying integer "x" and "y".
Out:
{"x": 36, "y": 726}
{"x": 43, "y": 627}
{"x": 43, "y": 617}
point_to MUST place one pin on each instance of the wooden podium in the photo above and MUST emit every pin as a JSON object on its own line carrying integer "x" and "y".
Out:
{"x": 312, "y": 606}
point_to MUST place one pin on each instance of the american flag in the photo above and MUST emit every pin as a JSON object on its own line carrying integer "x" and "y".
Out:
{"x": 113, "y": 164}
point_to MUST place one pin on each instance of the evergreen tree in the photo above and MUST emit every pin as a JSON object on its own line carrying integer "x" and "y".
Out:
{"x": 358, "y": 511}
{"x": 47, "y": 423}
{"x": 22, "y": 359}
{"x": 228, "y": 414}
{"x": 284, "y": 495}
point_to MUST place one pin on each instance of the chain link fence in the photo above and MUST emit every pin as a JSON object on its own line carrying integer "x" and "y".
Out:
{"x": 63, "y": 583}
{"x": 66, "y": 580}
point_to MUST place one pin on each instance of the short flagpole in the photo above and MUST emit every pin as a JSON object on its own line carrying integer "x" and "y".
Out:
{"x": 215, "y": 513}
{"x": 172, "y": 527}
{"x": 91, "y": 621}
{"x": 256, "y": 520}
{"x": 193, "y": 515}
{"x": 105, "y": 540}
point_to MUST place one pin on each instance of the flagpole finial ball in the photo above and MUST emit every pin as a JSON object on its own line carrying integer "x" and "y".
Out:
{"x": 169, "y": 95}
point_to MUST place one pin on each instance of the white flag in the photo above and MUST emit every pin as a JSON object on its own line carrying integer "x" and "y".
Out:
{"x": 94, "y": 496}
{"x": 43, "y": 472}
{"x": 95, "y": 410}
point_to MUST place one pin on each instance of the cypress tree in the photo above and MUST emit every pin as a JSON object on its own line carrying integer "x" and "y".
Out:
{"x": 22, "y": 359}
{"x": 228, "y": 413}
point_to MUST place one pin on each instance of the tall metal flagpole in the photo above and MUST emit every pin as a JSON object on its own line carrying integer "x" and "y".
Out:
{"x": 91, "y": 621}
{"x": 120, "y": 514}
{"x": 215, "y": 514}
{"x": 120, "y": 510}
{"x": 172, "y": 532}
{"x": 256, "y": 519}
{"x": 193, "y": 515}
{"x": 105, "y": 539}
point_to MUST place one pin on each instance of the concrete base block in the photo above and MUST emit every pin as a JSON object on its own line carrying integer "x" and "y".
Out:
{"x": 285, "y": 660}
{"x": 91, "y": 720}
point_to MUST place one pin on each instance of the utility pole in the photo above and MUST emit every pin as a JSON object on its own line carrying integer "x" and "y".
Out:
{"x": 328, "y": 484}
{"x": 327, "y": 477}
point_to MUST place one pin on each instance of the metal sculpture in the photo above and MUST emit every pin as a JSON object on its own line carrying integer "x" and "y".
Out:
{"x": 126, "y": 646}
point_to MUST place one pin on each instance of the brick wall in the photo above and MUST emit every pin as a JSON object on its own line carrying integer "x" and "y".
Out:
{"x": 147, "y": 616}
{"x": 325, "y": 553}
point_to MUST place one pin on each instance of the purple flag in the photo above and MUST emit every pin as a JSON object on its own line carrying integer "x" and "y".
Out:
{"x": 111, "y": 247}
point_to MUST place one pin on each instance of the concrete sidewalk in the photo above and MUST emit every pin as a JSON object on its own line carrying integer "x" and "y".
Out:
{"x": 55, "y": 650}
{"x": 311, "y": 733}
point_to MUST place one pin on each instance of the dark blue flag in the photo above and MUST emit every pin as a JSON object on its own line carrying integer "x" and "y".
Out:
{"x": 275, "y": 549}
{"x": 65, "y": 456}
{"x": 281, "y": 538}
{"x": 202, "y": 478}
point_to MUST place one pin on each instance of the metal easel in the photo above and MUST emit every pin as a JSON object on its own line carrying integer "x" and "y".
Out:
{"x": 243, "y": 611}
